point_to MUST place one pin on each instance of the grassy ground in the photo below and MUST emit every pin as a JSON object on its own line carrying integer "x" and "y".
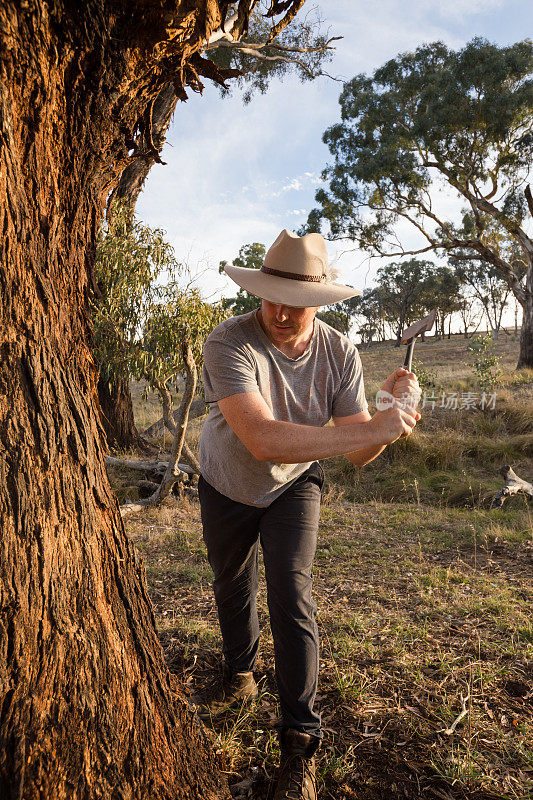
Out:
{"x": 424, "y": 598}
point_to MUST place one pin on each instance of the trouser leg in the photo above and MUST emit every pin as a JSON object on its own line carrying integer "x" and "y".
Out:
{"x": 231, "y": 536}
{"x": 288, "y": 537}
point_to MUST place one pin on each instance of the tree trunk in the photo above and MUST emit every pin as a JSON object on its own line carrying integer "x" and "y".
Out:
{"x": 87, "y": 707}
{"x": 525, "y": 358}
{"x": 117, "y": 413}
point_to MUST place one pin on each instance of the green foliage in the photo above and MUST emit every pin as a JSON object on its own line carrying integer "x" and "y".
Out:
{"x": 263, "y": 62}
{"x": 368, "y": 306}
{"x": 487, "y": 284}
{"x": 427, "y": 377}
{"x": 404, "y": 292}
{"x": 485, "y": 362}
{"x": 443, "y": 292}
{"x": 174, "y": 315}
{"x": 130, "y": 257}
{"x": 139, "y": 324}
{"x": 464, "y": 117}
{"x": 251, "y": 256}
{"x": 336, "y": 318}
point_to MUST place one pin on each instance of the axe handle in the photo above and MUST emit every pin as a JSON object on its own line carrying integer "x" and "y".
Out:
{"x": 409, "y": 354}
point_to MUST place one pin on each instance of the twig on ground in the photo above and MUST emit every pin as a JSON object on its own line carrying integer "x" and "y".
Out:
{"x": 451, "y": 730}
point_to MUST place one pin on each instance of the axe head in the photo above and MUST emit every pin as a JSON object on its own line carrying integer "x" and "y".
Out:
{"x": 418, "y": 327}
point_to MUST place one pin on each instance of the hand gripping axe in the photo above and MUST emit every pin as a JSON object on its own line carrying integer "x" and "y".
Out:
{"x": 409, "y": 336}
{"x": 385, "y": 400}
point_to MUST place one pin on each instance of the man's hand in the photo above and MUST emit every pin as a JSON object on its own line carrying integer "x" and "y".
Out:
{"x": 394, "y": 423}
{"x": 403, "y": 386}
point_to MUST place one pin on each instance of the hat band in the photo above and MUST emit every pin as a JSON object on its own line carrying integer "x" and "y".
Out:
{"x": 292, "y": 276}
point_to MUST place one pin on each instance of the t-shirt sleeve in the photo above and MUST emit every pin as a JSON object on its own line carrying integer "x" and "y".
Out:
{"x": 228, "y": 369}
{"x": 350, "y": 397}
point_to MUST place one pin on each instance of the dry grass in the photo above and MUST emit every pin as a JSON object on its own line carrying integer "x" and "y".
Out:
{"x": 424, "y": 600}
{"x": 418, "y": 608}
{"x": 448, "y": 359}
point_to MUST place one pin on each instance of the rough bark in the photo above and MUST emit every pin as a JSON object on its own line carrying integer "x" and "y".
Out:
{"x": 150, "y": 145}
{"x": 117, "y": 413}
{"x": 87, "y": 707}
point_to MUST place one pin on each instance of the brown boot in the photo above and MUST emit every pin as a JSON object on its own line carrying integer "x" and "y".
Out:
{"x": 232, "y": 692}
{"x": 296, "y": 777}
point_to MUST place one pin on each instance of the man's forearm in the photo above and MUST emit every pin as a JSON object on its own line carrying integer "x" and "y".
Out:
{"x": 365, "y": 455}
{"x": 290, "y": 443}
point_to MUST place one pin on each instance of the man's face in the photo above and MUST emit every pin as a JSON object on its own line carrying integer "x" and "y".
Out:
{"x": 286, "y": 324}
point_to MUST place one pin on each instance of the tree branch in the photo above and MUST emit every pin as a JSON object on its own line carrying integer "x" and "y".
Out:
{"x": 293, "y": 7}
{"x": 172, "y": 472}
{"x": 529, "y": 198}
{"x": 513, "y": 485}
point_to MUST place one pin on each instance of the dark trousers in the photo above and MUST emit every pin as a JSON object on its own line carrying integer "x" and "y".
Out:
{"x": 287, "y": 530}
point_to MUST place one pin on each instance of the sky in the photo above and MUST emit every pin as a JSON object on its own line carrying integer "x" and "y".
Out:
{"x": 237, "y": 174}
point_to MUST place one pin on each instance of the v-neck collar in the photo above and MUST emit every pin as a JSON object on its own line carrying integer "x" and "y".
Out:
{"x": 279, "y": 352}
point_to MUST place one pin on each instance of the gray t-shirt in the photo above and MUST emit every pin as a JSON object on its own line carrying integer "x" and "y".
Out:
{"x": 325, "y": 381}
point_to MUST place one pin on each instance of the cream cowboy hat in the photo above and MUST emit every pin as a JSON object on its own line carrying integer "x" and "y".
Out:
{"x": 295, "y": 272}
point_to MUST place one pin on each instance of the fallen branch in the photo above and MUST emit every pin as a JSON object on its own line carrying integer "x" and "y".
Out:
{"x": 513, "y": 485}
{"x": 147, "y": 466}
{"x": 451, "y": 730}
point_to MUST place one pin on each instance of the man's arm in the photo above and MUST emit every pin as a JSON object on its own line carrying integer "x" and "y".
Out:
{"x": 363, "y": 455}
{"x": 401, "y": 383}
{"x": 269, "y": 439}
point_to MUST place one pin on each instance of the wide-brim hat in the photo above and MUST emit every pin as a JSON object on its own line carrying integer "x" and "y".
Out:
{"x": 295, "y": 272}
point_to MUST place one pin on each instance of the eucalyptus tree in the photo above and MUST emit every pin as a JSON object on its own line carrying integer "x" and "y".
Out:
{"x": 251, "y": 256}
{"x": 470, "y": 313}
{"x": 367, "y": 311}
{"x": 175, "y": 327}
{"x": 402, "y": 288}
{"x": 144, "y": 317}
{"x": 302, "y": 49}
{"x": 488, "y": 287}
{"x": 432, "y": 118}
{"x": 267, "y": 47}
{"x": 130, "y": 257}
{"x": 89, "y": 709}
{"x": 443, "y": 293}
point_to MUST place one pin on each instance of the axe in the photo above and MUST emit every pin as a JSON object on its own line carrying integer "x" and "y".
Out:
{"x": 409, "y": 336}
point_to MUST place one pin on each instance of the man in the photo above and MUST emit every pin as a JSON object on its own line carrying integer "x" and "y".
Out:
{"x": 273, "y": 379}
